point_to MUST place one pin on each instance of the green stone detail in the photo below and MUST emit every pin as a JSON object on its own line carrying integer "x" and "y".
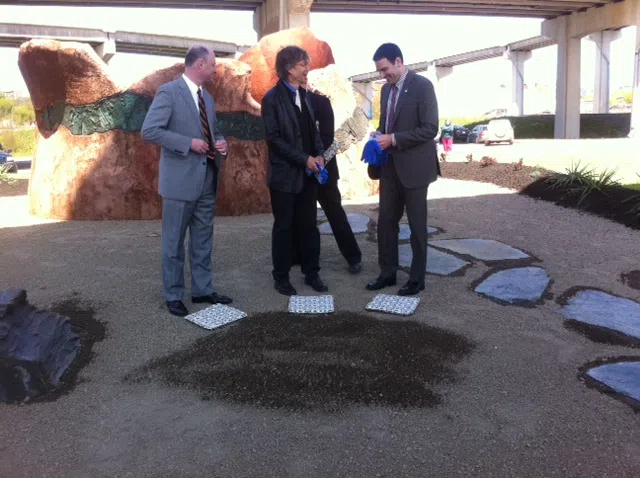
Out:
{"x": 127, "y": 111}
{"x": 241, "y": 125}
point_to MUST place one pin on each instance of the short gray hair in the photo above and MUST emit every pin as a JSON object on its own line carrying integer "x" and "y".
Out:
{"x": 195, "y": 53}
{"x": 287, "y": 58}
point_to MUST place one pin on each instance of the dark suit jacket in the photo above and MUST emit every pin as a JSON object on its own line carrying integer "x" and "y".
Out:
{"x": 287, "y": 160}
{"x": 326, "y": 125}
{"x": 415, "y": 155}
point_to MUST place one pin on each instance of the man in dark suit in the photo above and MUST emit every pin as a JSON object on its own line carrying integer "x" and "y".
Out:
{"x": 294, "y": 147}
{"x": 182, "y": 120}
{"x": 329, "y": 194}
{"x": 408, "y": 123}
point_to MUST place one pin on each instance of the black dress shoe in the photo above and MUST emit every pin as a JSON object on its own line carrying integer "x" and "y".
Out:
{"x": 212, "y": 299}
{"x": 411, "y": 288}
{"x": 355, "y": 268}
{"x": 316, "y": 283}
{"x": 285, "y": 288}
{"x": 176, "y": 307}
{"x": 381, "y": 282}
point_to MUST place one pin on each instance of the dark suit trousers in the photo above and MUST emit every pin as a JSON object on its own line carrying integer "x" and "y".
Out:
{"x": 394, "y": 197}
{"x": 295, "y": 212}
{"x": 331, "y": 202}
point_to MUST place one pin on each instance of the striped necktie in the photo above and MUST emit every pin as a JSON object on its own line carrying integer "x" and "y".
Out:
{"x": 391, "y": 114}
{"x": 205, "y": 127}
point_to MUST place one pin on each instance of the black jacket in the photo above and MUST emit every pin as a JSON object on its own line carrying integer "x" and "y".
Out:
{"x": 326, "y": 124}
{"x": 287, "y": 160}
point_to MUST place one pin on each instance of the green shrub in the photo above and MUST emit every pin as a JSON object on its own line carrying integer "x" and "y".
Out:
{"x": 21, "y": 142}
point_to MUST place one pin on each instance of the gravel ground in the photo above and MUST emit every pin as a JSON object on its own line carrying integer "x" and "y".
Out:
{"x": 515, "y": 407}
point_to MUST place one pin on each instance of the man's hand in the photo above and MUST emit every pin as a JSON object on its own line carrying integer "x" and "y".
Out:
{"x": 221, "y": 146}
{"x": 199, "y": 146}
{"x": 373, "y": 133}
{"x": 311, "y": 163}
{"x": 385, "y": 141}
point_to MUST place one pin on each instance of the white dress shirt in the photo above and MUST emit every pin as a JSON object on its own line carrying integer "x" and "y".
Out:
{"x": 194, "y": 90}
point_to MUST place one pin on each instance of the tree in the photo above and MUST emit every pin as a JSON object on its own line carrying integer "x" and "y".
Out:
{"x": 6, "y": 106}
{"x": 23, "y": 114}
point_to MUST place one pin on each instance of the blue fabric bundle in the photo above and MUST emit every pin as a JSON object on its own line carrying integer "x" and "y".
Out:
{"x": 373, "y": 154}
{"x": 322, "y": 176}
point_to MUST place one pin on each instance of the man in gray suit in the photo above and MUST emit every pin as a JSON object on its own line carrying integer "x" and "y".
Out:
{"x": 182, "y": 120}
{"x": 408, "y": 123}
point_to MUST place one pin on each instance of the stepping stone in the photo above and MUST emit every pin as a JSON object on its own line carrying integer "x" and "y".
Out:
{"x": 621, "y": 377}
{"x": 522, "y": 284}
{"x": 439, "y": 263}
{"x": 599, "y": 309}
{"x": 405, "y": 232}
{"x": 359, "y": 224}
{"x": 321, "y": 213}
{"x": 482, "y": 249}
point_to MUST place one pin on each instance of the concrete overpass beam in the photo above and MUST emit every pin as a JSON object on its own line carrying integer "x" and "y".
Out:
{"x": 275, "y": 15}
{"x": 611, "y": 16}
{"x": 567, "y": 120}
{"x": 518, "y": 58}
{"x": 634, "y": 131}
{"x": 106, "y": 50}
{"x": 601, "y": 90}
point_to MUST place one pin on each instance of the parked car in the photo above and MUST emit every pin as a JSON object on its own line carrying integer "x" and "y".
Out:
{"x": 460, "y": 134}
{"x": 7, "y": 163}
{"x": 499, "y": 131}
{"x": 476, "y": 135}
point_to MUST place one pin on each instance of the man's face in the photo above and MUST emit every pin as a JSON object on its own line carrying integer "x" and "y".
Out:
{"x": 207, "y": 68}
{"x": 389, "y": 71}
{"x": 298, "y": 74}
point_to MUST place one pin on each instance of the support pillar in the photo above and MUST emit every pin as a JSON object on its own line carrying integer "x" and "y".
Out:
{"x": 106, "y": 50}
{"x": 634, "y": 131}
{"x": 275, "y": 15}
{"x": 364, "y": 95}
{"x": 601, "y": 89}
{"x": 567, "y": 120}
{"x": 518, "y": 59}
{"x": 436, "y": 74}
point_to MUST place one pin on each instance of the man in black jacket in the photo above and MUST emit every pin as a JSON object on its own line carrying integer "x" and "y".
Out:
{"x": 328, "y": 194}
{"x": 294, "y": 147}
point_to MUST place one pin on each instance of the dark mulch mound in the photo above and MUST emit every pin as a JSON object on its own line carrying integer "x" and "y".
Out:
{"x": 506, "y": 175}
{"x": 19, "y": 187}
{"x": 615, "y": 202}
{"x": 280, "y": 360}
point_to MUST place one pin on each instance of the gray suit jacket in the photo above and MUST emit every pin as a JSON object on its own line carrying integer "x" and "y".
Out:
{"x": 172, "y": 122}
{"x": 415, "y": 154}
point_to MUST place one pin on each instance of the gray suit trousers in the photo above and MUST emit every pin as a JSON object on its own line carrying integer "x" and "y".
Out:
{"x": 394, "y": 197}
{"x": 197, "y": 216}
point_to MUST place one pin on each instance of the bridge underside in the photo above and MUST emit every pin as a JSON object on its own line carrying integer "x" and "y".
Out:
{"x": 514, "y": 8}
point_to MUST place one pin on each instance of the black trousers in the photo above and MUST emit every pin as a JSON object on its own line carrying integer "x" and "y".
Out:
{"x": 295, "y": 228}
{"x": 394, "y": 198}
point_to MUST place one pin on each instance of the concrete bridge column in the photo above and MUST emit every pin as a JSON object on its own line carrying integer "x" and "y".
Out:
{"x": 275, "y": 15}
{"x": 567, "y": 120}
{"x": 364, "y": 96}
{"x": 436, "y": 74}
{"x": 601, "y": 90}
{"x": 634, "y": 132}
{"x": 106, "y": 50}
{"x": 517, "y": 79}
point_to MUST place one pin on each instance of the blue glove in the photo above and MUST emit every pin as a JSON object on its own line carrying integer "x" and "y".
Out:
{"x": 373, "y": 154}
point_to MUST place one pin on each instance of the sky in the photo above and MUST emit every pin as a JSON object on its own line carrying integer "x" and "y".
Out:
{"x": 469, "y": 90}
